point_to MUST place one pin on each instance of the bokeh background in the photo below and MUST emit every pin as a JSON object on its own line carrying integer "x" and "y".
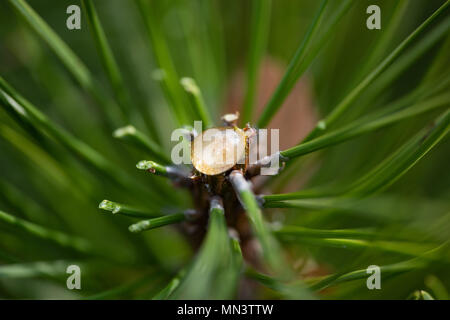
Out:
{"x": 40, "y": 181}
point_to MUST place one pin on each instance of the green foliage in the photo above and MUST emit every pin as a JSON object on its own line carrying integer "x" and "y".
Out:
{"x": 215, "y": 271}
{"x": 295, "y": 69}
{"x": 260, "y": 22}
{"x": 368, "y": 185}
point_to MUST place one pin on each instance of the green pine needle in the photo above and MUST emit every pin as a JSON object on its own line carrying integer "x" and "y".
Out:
{"x": 157, "y": 222}
{"x": 126, "y": 210}
{"x": 43, "y": 233}
{"x": 259, "y": 29}
{"x": 345, "y": 103}
{"x": 193, "y": 91}
{"x": 135, "y": 137}
{"x": 292, "y": 75}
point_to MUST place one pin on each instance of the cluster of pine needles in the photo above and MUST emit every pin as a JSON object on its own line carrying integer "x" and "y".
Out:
{"x": 378, "y": 186}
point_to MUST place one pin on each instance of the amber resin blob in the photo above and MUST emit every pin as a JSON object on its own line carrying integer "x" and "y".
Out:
{"x": 217, "y": 150}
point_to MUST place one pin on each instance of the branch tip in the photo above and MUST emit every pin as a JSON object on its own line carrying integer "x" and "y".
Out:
{"x": 109, "y": 206}
{"x": 124, "y": 131}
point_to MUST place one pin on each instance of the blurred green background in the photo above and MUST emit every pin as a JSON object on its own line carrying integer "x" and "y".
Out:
{"x": 208, "y": 40}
